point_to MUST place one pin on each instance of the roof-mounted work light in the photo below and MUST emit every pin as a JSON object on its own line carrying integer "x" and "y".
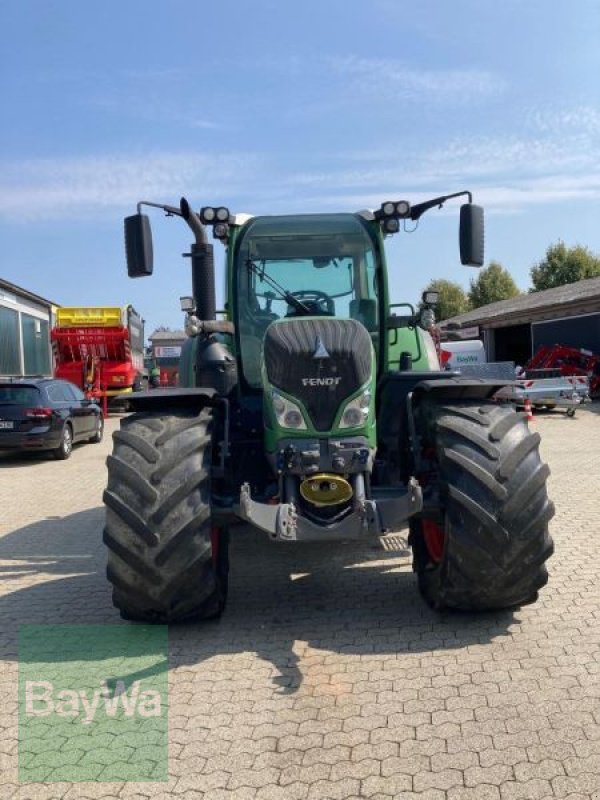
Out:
{"x": 210, "y": 215}
{"x": 399, "y": 209}
{"x": 391, "y": 225}
{"x": 220, "y": 230}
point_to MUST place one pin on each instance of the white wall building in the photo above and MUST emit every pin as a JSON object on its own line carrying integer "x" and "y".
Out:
{"x": 25, "y": 322}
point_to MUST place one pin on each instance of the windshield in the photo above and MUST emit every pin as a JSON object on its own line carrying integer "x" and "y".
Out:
{"x": 302, "y": 265}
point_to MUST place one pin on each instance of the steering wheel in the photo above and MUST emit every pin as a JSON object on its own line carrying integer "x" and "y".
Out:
{"x": 318, "y": 303}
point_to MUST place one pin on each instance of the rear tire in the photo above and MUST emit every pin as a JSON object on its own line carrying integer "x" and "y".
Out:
{"x": 65, "y": 448}
{"x": 495, "y": 510}
{"x": 159, "y": 531}
{"x": 99, "y": 432}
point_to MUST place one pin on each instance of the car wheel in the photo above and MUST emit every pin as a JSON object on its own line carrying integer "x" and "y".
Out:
{"x": 99, "y": 431}
{"x": 65, "y": 448}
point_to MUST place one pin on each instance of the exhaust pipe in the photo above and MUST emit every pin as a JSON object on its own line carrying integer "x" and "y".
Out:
{"x": 203, "y": 266}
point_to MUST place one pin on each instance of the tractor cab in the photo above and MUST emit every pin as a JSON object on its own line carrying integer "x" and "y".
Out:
{"x": 291, "y": 267}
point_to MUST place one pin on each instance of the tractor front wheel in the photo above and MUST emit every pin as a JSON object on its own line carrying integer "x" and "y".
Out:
{"x": 487, "y": 546}
{"x": 167, "y": 562}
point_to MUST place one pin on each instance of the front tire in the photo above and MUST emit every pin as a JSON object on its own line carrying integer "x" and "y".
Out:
{"x": 493, "y": 523}
{"x": 166, "y": 561}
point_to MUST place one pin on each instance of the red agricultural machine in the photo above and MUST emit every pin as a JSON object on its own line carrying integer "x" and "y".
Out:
{"x": 570, "y": 361}
{"x": 100, "y": 349}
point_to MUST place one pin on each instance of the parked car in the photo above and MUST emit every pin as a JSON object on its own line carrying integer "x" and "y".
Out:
{"x": 46, "y": 414}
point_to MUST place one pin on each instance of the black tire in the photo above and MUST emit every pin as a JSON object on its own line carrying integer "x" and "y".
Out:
{"x": 99, "y": 432}
{"x": 65, "y": 448}
{"x": 158, "y": 520}
{"x": 495, "y": 510}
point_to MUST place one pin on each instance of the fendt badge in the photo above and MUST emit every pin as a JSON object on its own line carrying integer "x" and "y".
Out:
{"x": 320, "y": 349}
{"x": 321, "y": 381}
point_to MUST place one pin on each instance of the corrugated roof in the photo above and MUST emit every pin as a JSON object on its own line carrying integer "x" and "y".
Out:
{"x": 588, "y": 289}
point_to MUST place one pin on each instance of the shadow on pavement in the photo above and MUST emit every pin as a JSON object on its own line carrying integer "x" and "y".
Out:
{"x": 349, "y": 598}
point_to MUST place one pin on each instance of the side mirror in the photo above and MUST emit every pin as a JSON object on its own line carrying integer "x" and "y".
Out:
{"x": 138, "y": 246}
{"x": 471, "y": 235}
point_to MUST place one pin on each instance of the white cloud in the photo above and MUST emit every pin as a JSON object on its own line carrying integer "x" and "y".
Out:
{"x": 506, "y": 173}
{"x": 55, "y": 188}
{"x": 393, "y": 79}
{"x": 583, "y": 120}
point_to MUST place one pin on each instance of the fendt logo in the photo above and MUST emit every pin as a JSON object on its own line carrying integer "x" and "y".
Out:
{"x": 320, "y": 381}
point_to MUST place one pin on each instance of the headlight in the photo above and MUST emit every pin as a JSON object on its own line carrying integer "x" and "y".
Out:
{"x": 287, "y": 414}
{"x": 356, "y": 411}
{"x": 352, "y": 417}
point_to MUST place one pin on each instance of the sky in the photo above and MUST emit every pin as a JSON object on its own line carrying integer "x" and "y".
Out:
{"x": 279, "y": 107}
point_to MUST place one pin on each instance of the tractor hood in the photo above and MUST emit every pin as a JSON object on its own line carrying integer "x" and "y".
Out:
{"x": 319, "y": 363}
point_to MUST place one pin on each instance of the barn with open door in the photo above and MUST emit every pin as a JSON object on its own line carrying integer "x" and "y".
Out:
{"x": 513, "y": 330}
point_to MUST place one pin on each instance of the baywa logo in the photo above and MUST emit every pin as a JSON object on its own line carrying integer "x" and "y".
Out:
{"x": 42, "y": 700}
{"x": 93, "y": 703}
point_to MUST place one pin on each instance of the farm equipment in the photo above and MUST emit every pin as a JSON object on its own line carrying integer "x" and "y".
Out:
{"x": 100, "y": 349}
{"x": 542, "y": 388}
{"x": 547, "y": 388}
{"x": 316, "y": 411}
{"x": 570, "y": 361}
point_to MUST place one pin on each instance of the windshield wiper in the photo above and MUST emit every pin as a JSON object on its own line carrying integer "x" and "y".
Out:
{"x": 283, "y": 293}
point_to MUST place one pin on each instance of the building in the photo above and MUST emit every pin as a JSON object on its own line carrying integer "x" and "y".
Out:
{"x": 25, "y": 322}
{"x": 165, "y": 350}
{"x": 513, "y": 330}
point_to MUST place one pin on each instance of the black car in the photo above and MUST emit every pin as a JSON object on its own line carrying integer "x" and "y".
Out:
{"x": 46, "y": 414}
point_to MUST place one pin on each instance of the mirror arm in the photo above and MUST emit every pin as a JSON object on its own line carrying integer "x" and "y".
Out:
{"x": 183, "y": 211}
{"x": 170, "y": 211}
{"x": 419, "y": 209}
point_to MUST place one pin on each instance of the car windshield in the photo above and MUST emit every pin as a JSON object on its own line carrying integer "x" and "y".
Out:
{"x": 302, "y": 265}
{"x": 19, "y": 396}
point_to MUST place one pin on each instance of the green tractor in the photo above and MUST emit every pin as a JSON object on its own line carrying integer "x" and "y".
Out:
{"x": 314, "y": 411}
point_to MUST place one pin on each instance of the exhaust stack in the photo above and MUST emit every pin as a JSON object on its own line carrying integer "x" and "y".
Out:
{"x": 203, "y": 266}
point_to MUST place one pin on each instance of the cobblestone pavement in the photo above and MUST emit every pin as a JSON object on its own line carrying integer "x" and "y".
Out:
{"x": 327, "y": 677}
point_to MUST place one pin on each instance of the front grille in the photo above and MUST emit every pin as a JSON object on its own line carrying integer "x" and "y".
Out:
{"x": 321, "y": 384}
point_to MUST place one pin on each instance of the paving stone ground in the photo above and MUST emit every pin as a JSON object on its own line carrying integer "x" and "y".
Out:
{"x": 328, "y": 677}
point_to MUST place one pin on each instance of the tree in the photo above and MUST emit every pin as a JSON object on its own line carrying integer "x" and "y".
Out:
{"x": 453, "y": 299}
{"x": 492, "y": 284}
{"x": 564, "y": 264}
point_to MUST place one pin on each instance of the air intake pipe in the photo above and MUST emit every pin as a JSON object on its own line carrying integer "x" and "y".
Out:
{"x": 203, "y": 266}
